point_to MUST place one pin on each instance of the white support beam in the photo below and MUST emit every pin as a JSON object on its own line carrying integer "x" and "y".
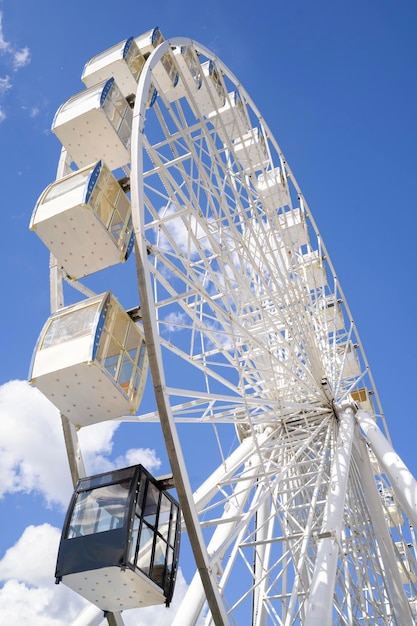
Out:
{"x": 320, "y": 601}
{"x": 194, "y": 599}
{"x": 402, "y": 481}
{"x": 264, "y": 522}
{"x": 91, "y": 615}
{"x": 72, "y": 444}
{"x": 395, "y": 587}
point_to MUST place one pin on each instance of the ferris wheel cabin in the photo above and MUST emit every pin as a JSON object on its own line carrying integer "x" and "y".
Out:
{"x": 85, "y": 220}
{"x": 123, "y": 62}
{"x": 120, "y": 542}
{"x": 273, "y": 189}
{"x": 230, "y": 121}
{"x": 251, "y": 151}
{"x": 96, "y": 124}
{"x": 91, "y": 361}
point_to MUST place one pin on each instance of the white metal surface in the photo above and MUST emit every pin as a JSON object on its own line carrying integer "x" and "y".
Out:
{"x": 113, "y": 589}
{"x": 254, "y": 353}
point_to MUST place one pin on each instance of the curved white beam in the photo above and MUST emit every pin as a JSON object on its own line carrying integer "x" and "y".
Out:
{"x": 174, "y": 451}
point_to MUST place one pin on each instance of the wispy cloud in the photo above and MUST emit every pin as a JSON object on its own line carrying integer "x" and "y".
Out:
{"x": 19, "y": 56}
{"x": 5, "y": 85}
{"x": 16, "y": 59}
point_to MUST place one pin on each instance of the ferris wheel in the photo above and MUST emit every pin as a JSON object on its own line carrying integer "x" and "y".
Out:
{"x": 295, "y": 506}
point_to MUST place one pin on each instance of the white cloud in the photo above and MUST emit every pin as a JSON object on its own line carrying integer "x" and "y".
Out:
{"x": 4, "y": 45}
{"x": 30, "y": 596}
{"x": 5, "y": 85}
{"x": 2, "y": 115}
{"x": 21, "y": 58}
{"x": 32, "y": 449}
{"x": 144, "y": 456}
{"x": 32, "y": 559}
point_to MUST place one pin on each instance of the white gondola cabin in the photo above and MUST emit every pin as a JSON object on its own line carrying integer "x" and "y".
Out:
{"x": 190, "y": 70}
{"x": 91, "y": 361}
{"x": 273, "y": 190}
{"x": 251, "y": 151}
{"x": 165, "y": 72}
{"x": 85, "y": 220}
{"x": 364, "y": 398}
{"x": 120, "y": 542}
{"x": 347, "y": 357}
{"x": 165, "y": 75}
{"x": 405, "y": 562}
{"x": 230, "y": 121}
{"x": 149, "y": 41}
{"x": 330, "y": 315}
{"x": 293, "y": 229}
{"x": 96, "y": 124}
{"x": 124, "y": 62}
{"x": 212, "y": 93}
{"x": 312, "y": 270}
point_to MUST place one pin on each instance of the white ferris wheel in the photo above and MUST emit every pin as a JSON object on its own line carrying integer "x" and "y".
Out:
{"x": 296, "y": 507}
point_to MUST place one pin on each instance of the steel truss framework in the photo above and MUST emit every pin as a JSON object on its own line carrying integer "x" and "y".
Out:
{"x": 297, "y": 509}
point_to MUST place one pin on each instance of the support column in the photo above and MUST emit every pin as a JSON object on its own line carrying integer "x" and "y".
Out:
{"x": 320, "y": 601}
{"x": 394, "y": 586}
{"x": 91, "y": 615}
{"x": 195, "y": 597}
{"x": 402, "y": 481}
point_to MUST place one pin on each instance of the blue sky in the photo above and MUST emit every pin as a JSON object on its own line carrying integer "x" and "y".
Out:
{"x": 336, "y": 83}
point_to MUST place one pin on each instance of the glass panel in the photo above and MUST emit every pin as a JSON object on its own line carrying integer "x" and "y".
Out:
{"x": 169, "y": 565}
{"x": 157, "y": 38}
{"x": 135, "y": 60}
{"x": 132, "y": 342}
{"x": 145, "y": 549}
{"x": 112, "y": 190}
{"x": 71, "y": 325}
{"x": 142, "y": 355}
{"x": 112, "y": 360}
{"x": 142, "y": 487}
{"x": 105, "y": 211}
{"x": 136, "y": 381}
{"x": 151, "y": 505}
{"x": 65, "y": 185}
{"x": 120, "y": 327}
{"x": 114, "y": 116}
{"x": 125, "y": 374}
{"x": 158, "y": 568}
{"x": 109, "y": 478}
{"x": 123, "y": 205}
{"x": 115, "y": 226}
{"x": 99, "y": 510}
{"x": 164, "y": 516}
{"x": 133, "y": 540}
{"x": 85, "y": 101}
{"x": 173, "y": 527}
{"x": 124, "y": 132}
